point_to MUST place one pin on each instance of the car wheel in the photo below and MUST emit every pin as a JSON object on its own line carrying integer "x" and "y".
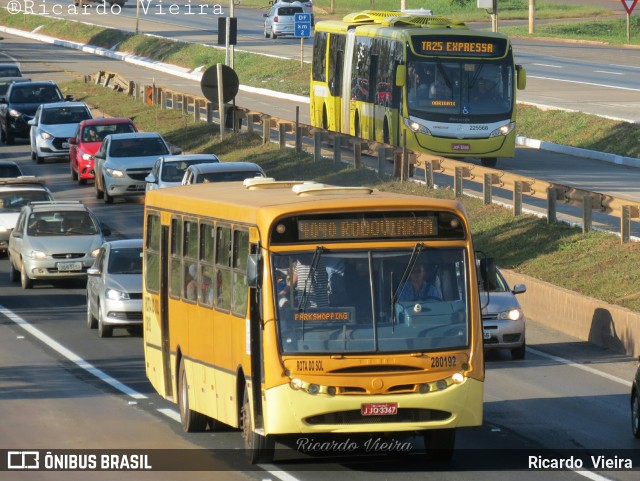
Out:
{"x": 519, "y": 352}
{"x": 192, "y": 421}
{"x": 24, "y": 279}
{"x": 103, "y": 330}
{"x": 33, "y": 155}
{"x": 14, "y": 275}
{"x": 266, "y": 35}
{"x": 99, "y": 192}
{"x": 635, "y": 414}
{"x": 273, "y": 35}
{"x": 74, "y": 174}
{"x": 108, "y": 199}
{"x": 3, "y": 135}
{"x": 9, "y": 139}
{"x": 92, "y": 322}
{"x": 82, "y": 181}
{"x": 260, "y": 449}
{"x": 39, "y": 159}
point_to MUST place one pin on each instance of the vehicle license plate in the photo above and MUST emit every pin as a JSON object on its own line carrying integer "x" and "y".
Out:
{"x": 487, "y": 334}
{"x": 460, "y": 147}
{"x": 65, "y": 145}
{"x": 69, "y": 266}
{"x": 379, "y": 409}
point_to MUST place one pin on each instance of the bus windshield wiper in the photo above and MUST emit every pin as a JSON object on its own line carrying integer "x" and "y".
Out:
{"x": 443, "y": 72}
{"x": 310, "y": 279}
{"x": 403, "y": 280}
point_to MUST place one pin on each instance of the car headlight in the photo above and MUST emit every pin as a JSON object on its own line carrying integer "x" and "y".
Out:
{"x": 503, "y": 130}
{"x": 86, "y": 156}
{"x": 14, "y": 113}
{"x": 511, "y": 315}
{"x": 46, "y": 135}
{"x": 38, "y": 255}
{"x": 94, "y": 252}
{"x": 115, "y": 172}
{"x": 116, "y": 295}
{"x": 416, "y": 126}
{"x": 3, "y": 229}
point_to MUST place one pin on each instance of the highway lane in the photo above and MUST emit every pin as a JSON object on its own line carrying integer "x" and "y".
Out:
{"x": 540, "y": 403}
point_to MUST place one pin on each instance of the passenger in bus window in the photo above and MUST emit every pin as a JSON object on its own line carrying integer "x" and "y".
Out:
{"x": 191, "y": 287}
{"x": 316, "y": 287}
{"x": 418, "y": 288}
{"x": 420, "y": 80}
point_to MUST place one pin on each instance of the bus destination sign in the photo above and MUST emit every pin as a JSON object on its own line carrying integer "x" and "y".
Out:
{"x": 380, "y": 228}
{"x": 460, "y": 46}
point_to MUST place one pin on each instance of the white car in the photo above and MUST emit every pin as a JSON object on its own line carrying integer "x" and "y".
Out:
{"x": 168, "y": 171}
{"x": 114, "y": 287}
{"x": 52, "y": 126}
{"x": 280, "y": 20}
{"x": 123, "y": 162}
{"x": 222, "y": 172}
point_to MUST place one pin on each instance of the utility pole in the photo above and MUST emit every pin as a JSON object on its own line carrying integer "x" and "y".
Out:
{"x": 532, "y": 16}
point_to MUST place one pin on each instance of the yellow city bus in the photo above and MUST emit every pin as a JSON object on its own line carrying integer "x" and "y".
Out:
{"x": 388, "y": 76}
{"x": 303, "y": 318}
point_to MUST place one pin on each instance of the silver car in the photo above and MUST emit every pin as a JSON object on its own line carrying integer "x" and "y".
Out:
{"x": 53, "y": 240}
{"x": 123, "y": 162}
{"x": 52, "y": 126}
{"x": 280, "y": 20}
{"x": 503, "y": 320}
{"x": 222, "y": 172}
{"x": 168, "y": 171}
{"x": 114, "y": 287}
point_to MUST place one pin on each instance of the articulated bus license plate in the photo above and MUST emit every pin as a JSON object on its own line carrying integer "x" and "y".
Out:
{"x": 69, "y": 266}
{"x": 379, "y": 409}
{"x": 487, "y": 334}
{"x": 462, "y": 147}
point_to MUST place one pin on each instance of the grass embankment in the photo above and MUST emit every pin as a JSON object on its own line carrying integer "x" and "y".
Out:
{"x": 566, "y": 128}
{"x": 595, "y": 264}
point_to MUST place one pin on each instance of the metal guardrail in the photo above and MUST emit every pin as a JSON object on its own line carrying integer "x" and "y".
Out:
{"x": 404, "y": 161}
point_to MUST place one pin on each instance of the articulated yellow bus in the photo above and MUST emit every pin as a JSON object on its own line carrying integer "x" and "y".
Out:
{"x": 291, "y": 308}
{"x": 388, "y": 76}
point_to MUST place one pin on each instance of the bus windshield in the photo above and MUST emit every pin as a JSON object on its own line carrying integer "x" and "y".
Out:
{"x": 465, "y": 88}
{"x": 371, "y": 301}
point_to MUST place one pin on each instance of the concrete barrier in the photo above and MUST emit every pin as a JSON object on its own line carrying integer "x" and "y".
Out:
{"x": 589, "y": 319}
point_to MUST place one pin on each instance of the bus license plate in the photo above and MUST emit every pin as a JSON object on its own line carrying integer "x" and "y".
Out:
{"x": 487, "y": 334}
{"x": 379, "y": 409}
{"x": 69, "y": 266}
{"x": 460, "y": 147}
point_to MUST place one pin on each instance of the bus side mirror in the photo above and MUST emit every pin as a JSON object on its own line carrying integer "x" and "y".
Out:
{"x": 489, "y": 274}
{"x": 401, "y": 75}
{"x": 521, "y": 72}
{"x": 253, "y": 273}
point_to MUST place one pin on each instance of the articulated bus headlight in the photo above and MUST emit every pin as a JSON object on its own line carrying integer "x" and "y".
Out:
{"x": 424, "y": 388}
{"x": 416, "y": 127}
{"x": 503, "y": 130}
{"x": 296, "y": 384}
{"x": 331, "y": 391}
{"x": 457, "y": 378}
{"x": 441, "y": 385}
{"x": 313, "y": 389}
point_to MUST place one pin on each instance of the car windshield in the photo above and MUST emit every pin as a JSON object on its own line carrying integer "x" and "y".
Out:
{"x": 371, "y": 301}
{"x": 61, "y": 223}
{"x": 97, "y": 133}
{"x": 14, "y": 200}
{"x": 289, "y": 11}
{"x": 174, "y": 171}
{"x": 125, "y": 261}
{"x": 138, "y": 147}
{"x": 30, "y": 94}
{"x": 9, "y": 171}
{"x": 231, "y": 176}
{"x": 65, "y": 115}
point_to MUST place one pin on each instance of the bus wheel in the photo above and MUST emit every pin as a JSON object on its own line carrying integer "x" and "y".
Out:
{"x": 489, "y": 161}
{"x": 325, "y": 122}
{"x": 439, "y": 444}
{"x": 192, "y": 422}
{"x": 356, "y": 126}
{"x": 259, "y": 448}
{"x": 385, "y": 132}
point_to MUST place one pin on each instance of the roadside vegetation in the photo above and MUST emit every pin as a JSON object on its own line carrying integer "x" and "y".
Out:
{"x": 595, "y": 264}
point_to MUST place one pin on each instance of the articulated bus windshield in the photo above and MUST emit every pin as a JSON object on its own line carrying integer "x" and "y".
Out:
{"x": 404, "y": 300}
{"x": 448, "y": 89}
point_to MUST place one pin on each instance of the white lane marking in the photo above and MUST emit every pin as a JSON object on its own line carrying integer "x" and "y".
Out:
{"x": 170, "y": 413}
{"x": 590, "y": 370}
{"x": 592, "y": 476}
{"x": 547, "y": 65}
{"x": 608, "y": 72}
{"x": 63, "y": 351}
{"x": 273, "y": 471}
{"x": 585, "y": 83}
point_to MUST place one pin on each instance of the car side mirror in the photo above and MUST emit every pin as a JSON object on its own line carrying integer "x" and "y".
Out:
{"x": 151, "y": 179}
{"x": 3, "y": 99}
{"x": 93, "y": 271}
{"x": 175, "y": 150}
{"x": 265, "y": 15}
{"x": 32, "y": 122}
{"x": 69, "y": 98}
{"x": 72, "y": 140}
{"x": 105, "y": 230}
{"x": 519, "y": 289}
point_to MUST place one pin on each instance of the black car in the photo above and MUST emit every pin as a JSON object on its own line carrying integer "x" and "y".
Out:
{"x": 20, "y": 103}
{"x": 635, "y": 404}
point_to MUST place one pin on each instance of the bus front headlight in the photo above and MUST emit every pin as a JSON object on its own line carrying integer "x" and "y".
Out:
{"x": 503, "y": 130}
{"x": 416, "y": 126}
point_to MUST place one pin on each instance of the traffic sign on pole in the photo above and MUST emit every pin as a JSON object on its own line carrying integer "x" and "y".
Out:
{"x": 629, "y": 5}
{"x": 302, "y": 25}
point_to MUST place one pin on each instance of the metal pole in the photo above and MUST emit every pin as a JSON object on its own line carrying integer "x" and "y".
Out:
{"x": 628, "y": 27}
{"x": 137, "y": 16}
{"x": 532, "y": 16}
{"x": 301, "y": 52}
{"x": 221, "y": 111}
{"x": 231, "y": 47}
